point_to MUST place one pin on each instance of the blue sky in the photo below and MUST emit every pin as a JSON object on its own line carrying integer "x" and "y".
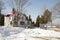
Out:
{"x": 36, "y": 8}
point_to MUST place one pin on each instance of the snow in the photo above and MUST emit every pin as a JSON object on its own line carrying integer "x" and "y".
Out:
{"x": 19, "y": 33}
{"x": 1, "y": 38}
{"x": 37, "y": 32}
{"x": 30, "y": 33}
{"x": 12, "y": 30}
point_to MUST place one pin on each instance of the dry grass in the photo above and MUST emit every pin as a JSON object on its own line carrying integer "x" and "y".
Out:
{"x": 57, "y": 29}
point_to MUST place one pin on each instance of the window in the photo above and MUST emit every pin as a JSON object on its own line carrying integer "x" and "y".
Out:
{"x": 14, "y": 17}
{"x": 22, "y": 23}
{"x": 28, "y": 23}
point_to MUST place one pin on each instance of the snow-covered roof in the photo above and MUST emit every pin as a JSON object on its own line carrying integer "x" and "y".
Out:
{"x": 10, "y": 14}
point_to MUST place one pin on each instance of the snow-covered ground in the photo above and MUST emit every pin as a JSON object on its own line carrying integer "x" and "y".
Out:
{"x": 19, "y": 33}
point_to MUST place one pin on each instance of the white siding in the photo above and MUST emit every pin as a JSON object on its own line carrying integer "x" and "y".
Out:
{"x": 7, "y": 21}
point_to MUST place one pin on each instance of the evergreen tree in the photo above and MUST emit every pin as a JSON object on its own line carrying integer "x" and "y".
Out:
{"x": 30, "y": 18}
{"x": 1, "y": 19}
{"x": 38, "y": 21}
{"x": 1, "y": 15}
{"x": 47, "y": 17}
{"x": 33, "y": 24}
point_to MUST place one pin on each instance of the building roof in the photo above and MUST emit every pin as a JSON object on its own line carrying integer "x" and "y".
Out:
{"x": 11, "y": 14}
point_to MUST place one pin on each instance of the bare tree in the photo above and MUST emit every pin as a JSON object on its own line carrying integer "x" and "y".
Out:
{"x": 20, "y": 4}
{"x": 56, "y": 11}
{"x": 11, "y": 3}
{"x": 56, "y": 8}
{"x": 1, "y": 5}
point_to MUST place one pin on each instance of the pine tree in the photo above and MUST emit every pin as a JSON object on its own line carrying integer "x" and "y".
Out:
{"x": 1, "y": 19}
{"x": 47, "y": 17}
{"x": 30, "y": 18}
{"x": 1, "y": 15}
{"x": 38, "y": 21}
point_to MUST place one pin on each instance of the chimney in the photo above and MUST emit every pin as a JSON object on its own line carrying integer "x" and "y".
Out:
{"x": 13, "y": 10}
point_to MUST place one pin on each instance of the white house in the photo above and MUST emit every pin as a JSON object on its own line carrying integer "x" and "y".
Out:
{"x": 7, "y": 20}
{"x": 17, "y": 19}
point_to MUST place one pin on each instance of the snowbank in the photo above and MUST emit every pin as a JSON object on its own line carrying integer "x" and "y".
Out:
{"x": 19, "y": 36}
{"x": 18, "y": 33}
{"x": 1, "y": 38}
{"x": 37, "y": 32}
{"x": 12, "y": 30}
{"x": 34, "y": 34}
